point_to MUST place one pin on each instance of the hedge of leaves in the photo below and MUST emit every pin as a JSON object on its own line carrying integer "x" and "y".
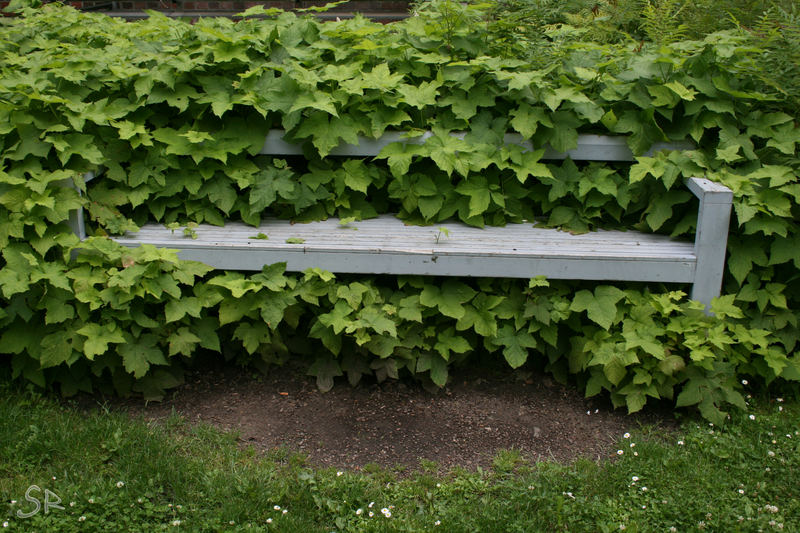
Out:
{"x": 176, "y": 114}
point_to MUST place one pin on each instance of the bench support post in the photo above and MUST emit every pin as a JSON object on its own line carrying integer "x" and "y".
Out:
{"x": 76, "y": 221}
{"x": 711, "y": 239}
{"x": 77, "y": 224}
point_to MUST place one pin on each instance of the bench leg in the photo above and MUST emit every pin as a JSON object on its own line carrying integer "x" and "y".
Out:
{"x": 711, "y": 239}
{"x": 76, "y": 222}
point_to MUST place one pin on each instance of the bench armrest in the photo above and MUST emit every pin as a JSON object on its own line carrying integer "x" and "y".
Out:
{"x": 709, "y": 192}
{"x": 711, "y": 239}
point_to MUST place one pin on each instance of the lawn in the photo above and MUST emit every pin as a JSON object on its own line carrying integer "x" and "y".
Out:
{"x": 103, "y": 471}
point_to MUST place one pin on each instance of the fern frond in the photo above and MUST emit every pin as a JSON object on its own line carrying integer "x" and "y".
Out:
{"x": 661, "y": 21}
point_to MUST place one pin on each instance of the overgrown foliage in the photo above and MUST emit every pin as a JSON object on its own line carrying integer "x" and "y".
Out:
{"x": 176, "y": 114}
{"x": 652, "y": 20}
{"x": 777, "y": 34}
{"x": 533, "y": 29}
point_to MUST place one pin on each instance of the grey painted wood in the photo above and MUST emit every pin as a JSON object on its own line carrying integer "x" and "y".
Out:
{"x": 389, "y": 233}
{"x": 590, "y": 147}
{"x": 385, "y": 245}
{"x": 76, "y": 221}
{"x": 711, "y": 239}
{"x": 709, "y": 192}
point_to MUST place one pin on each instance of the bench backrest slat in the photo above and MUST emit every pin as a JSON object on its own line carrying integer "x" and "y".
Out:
{"x": 590, "y": 147}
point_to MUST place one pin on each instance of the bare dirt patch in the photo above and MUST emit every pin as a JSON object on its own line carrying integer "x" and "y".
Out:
{"x": 398, "y": 422}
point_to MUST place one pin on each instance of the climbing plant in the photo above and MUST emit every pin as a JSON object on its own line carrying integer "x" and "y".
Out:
{"x": 175, "y": 114}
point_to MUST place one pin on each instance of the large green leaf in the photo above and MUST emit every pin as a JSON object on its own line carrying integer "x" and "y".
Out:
{"x": 448, "y": 153}
{"x": 327, "y": 132}
{"x": 270, "y": 183}
{"x": 448, "y": 299}
{"x": 420, "y": 95}
{"x": 600, "y": 306}
{"x": 98, "y": 337}
{"x": 141, "y": 352}
{"x": 515, "y": 345}
{"x": 526, "y": 119}
{"x": 435, "y": 365}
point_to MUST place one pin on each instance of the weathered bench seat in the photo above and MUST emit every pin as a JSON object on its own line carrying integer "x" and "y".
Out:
{"x": 386, "y": 245}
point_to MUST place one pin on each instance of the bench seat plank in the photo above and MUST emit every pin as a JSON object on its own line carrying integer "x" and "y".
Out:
{"x": 385, "y": 245}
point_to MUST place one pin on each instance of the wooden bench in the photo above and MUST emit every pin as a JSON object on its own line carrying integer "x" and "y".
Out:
{"x": 385, "y": 245}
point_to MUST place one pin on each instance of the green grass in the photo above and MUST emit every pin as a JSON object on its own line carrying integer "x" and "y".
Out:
{"x": 116, "y": 474}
